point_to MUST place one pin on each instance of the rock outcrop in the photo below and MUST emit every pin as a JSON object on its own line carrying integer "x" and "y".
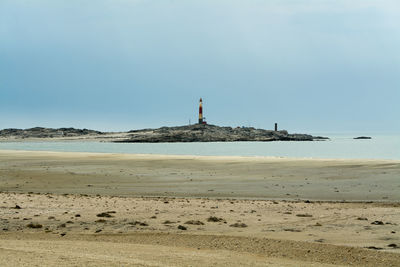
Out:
{"x": 188, "y": 133}
{"x": 212, "y": 133}
{"x": 362, "y": 137}
{"x": 40, "y": 132}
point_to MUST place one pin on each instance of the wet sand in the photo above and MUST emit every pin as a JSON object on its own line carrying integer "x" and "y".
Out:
{"x": 197, "y": 176}
{"x": 101, "y": 210}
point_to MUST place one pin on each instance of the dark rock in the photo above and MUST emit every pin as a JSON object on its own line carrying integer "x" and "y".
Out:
{"x": 320, "y": 138}
{"x": 303, "y": 215}
{"x": 239, "y": 225}
{"x": 373, "y": 247}
{"x": 138, "y": 223}
{"x": 291, "y": 230}
{"x": 34, "y": 225}
{"x": 362, "y": 137}
{"x": 104, "y": 214}
{"x": 377, "y": 223}
{"x": 194, "y": 222}
{"x": 181, "y": 227}
{"x": 214, "y": 219}
{"x": 17, "y": 207}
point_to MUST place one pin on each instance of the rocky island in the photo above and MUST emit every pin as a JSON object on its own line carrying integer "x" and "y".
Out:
{"x": 41, "y": 132}
{"x": 187, "y": 133}
{"x": 212, "y": 133}
{"x": 362, "y": 137}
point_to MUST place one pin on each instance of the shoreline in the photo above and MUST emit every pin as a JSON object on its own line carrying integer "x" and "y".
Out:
{"x": 206, "y": 157}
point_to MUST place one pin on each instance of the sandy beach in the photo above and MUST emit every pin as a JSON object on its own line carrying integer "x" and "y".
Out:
{"x": 90, "y": 209}
{"x": 200, "y": 176}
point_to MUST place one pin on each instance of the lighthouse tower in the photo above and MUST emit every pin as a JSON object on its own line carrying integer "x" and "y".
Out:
{"x": 201, "y": 111}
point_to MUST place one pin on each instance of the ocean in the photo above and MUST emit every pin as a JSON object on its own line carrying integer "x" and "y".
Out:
{"x": 339, "y": 146}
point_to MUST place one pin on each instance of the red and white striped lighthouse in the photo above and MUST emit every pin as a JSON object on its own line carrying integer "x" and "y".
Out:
{"x": 201, "y": 111}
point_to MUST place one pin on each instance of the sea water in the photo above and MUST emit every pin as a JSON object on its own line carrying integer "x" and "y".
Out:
{"x": 339, "y": 146}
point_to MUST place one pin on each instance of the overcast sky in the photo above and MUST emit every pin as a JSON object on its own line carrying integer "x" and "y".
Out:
{"x": 311, "y": 66}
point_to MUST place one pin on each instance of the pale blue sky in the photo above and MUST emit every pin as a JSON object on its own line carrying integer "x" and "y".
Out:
{"x": 311, "y": 66}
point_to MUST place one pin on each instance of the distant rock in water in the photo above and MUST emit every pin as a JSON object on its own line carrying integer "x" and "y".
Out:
{"x": 363, "y": 137}
{"x": 212, "y": 133}
{"x": 40, "y": 132}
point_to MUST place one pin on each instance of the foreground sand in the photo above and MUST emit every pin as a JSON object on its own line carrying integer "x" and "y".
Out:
{"x": 259, "y": 224}
{"x": 146, "y": 232}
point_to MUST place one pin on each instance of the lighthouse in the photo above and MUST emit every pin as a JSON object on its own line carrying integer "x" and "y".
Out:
{"x": 201, "y": 111}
